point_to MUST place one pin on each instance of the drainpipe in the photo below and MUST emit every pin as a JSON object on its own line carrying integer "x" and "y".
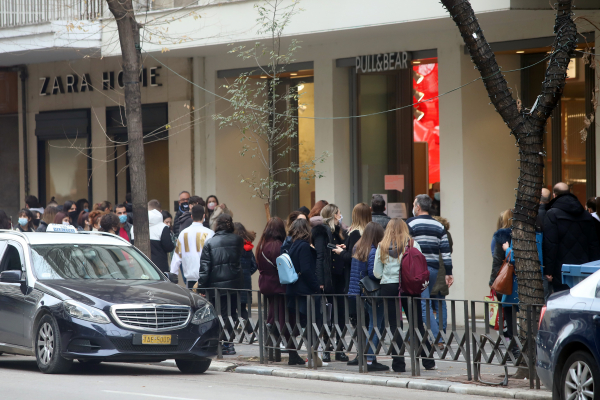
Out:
{"x": 22, "y": 70}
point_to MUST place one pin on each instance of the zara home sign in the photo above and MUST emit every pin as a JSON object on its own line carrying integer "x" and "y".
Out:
{"x": 382, "y": 62}
{"x": 82, "y": 83}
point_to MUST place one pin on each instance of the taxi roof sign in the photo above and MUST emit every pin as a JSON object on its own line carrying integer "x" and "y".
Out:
{"x": 61, "y": 228}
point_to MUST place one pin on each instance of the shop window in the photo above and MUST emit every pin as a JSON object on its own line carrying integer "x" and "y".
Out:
{"x": 426, "y": 129}
{"x": 306, "y": 141}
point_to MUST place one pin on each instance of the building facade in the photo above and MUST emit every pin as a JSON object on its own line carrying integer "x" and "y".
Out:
{"x": 359, "y": 71}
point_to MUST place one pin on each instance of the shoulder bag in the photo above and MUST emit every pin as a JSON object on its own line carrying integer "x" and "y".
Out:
{"x": 504, "y": 281}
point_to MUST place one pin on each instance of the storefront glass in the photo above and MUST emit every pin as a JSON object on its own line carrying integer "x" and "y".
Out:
{"x": 306, "y": 142}
{"x": 66, "y": 169}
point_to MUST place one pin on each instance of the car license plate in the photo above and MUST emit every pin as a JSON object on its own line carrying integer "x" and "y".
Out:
{"x": 156, "y": 339}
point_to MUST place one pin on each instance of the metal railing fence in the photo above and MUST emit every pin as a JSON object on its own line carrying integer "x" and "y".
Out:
{"x": 400, "y": 326}
{"x": 15, "y": 13}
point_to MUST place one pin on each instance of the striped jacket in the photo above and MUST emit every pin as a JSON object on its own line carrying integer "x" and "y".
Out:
{"x": 433, "y": 239}
{"x": 189, "y": 249}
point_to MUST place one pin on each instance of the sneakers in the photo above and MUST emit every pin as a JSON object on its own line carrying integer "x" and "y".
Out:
{"x": 228, "y": 350}
{"x": 353, "y": 362}
{"x": 341, "y": 357}
{"x": 326, "y": 357}
{"x": 377, "y": 367}
{"x": 434, "y": 368}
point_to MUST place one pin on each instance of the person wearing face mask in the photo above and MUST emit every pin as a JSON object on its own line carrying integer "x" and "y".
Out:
{"x": 125, "y": 228}
{"x": 25, "y": 223}
{"x": 185, "y": 220}
{"x": 436, "y": 205}
{"x": 214, "y": 209}
{"x": 71, "y": 209}
{"x": 184, "y": 206}
{"x": 47, "y": 218}
{"x": 433, "y": 239}
{"x": 93, "y": 221}
{"x": 330, "y": 265}
{"x": 61, "y": 218}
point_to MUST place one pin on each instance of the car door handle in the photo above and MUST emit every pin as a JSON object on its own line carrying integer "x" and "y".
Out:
{"x": 596, "y": 319}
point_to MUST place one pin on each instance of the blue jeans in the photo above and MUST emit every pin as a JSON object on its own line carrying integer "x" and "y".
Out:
{"x": 379, "y": 321}
{"x": 434, "y": 321}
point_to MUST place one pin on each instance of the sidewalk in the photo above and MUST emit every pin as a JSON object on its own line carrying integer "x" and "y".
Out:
{"x": 449, "y": 377}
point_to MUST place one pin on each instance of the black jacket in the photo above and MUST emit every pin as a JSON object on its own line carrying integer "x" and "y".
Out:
{"x": 380, "y": 218}
{"x": 43, "y": 227}
{"x": 500, "y": 237}
{"x": 160, "y": 248}
{"x": 569, "y": 235}
{"x": 185, "y": 220}
{"x": 321, "y": 236}
{"x": 346, "y": 255}
{"x": 304, "y": 259}
{"x": 176, "y": 228}
{"x": 220, "y": 262}
{"x": 539, "y": 222}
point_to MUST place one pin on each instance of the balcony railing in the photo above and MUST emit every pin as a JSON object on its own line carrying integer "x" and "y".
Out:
{"x": 15, "y": 13}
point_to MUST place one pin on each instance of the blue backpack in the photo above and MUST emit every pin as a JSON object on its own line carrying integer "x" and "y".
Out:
{"x": 285, "y": 269}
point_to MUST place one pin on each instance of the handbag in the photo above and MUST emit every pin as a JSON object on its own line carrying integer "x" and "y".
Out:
{"x": 493, "y": 310}
{"x": 504, "y": 281}
{"x": 369, "y": 287}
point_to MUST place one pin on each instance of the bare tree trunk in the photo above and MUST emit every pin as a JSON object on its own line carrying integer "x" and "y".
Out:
{"x": 527, "y": 127}
{"x": 129, "y": 37}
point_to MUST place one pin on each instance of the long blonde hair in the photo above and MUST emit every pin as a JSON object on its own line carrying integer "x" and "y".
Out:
{"x": 328, "y": 214}
{"x": 505, "y": 220}
{"x": 396, "y": 237}
{"x": 361, "y": 216}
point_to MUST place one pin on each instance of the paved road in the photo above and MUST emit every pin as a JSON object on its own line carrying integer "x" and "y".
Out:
{"x": 114, "y": 381}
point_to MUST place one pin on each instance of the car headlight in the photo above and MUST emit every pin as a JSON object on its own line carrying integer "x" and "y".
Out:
{"x": 86, "y": 313}
{"x": 204, "y": 314}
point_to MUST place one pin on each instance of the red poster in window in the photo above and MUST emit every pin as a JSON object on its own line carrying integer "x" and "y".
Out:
{"x": 427, "y": 129}
{"x": 394, "y": 182}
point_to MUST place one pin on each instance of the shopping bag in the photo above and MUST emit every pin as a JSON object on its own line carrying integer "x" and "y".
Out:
{"x": 493, "y": 310}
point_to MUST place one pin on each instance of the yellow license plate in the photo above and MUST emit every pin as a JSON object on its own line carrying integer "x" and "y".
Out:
{"x": 156, "y": 339}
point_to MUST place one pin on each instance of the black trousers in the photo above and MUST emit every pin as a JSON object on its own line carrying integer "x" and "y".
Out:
{"x": 339, "y": 287}
{"x": 223, "y": 310}
{"x": 391, "y": 289}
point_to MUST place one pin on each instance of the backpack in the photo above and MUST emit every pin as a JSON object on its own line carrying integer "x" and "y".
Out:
{"x": 414, "y": 275}
{"x": 285, "y": 269}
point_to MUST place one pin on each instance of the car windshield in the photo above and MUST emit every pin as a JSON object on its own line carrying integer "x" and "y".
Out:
{"x": 85, "y": 261}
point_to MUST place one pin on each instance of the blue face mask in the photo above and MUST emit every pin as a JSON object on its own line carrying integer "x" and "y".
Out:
{"x": 436, "y": 196}
{"x": 122, "y": 218}
{"x": 22, "y": 221}
{"x": 86, "y": 209}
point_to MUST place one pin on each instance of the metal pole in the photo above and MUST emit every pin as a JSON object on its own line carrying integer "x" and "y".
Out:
{"x": 261, "y": 326}
{"x": 467, "y": 338}
{"x": 218, "y": 306}
{"x": 530, "y": 349}
{"x": 474, "y": 329}
{"x": 360, "y": 340}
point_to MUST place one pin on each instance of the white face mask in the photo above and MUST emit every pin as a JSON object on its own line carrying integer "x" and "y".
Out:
{"x": 66, "y": 223}
{"x": 415, "y": 211}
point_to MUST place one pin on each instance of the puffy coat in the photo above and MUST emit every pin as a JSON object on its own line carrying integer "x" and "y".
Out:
{"x": 249, "y": 267}
{"x": 268, "y": 279}
{"x": 160, "y": 240}
{"x": 304, "y": 259}
{"x": 42, "y": 227}
{"x": 359, "y": 270}
{"x": 220, "y": 262}
{"x": 570, "y": 235}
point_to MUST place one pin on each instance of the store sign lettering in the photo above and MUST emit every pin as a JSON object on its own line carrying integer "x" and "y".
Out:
{"x": 382, "y": 62}
{"x": 83, "y": 83}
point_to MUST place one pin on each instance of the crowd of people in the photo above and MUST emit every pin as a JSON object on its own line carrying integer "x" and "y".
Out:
{"x": 203, "y": 245}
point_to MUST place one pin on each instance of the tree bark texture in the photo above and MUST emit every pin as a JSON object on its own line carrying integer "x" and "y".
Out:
{"x": 527, "y": 126}
{"x": 129, "y": 37}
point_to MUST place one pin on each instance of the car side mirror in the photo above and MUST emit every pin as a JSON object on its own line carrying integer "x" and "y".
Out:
{"x": 11, "y": 277}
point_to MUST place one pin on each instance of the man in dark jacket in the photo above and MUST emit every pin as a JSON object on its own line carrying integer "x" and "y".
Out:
{"x": 544, "y": 200}
{"x": 378, "y": 214}
{"x": 184, "y": 198}
{"x": 569, "y": 235}
{"x": 185, "y": 220}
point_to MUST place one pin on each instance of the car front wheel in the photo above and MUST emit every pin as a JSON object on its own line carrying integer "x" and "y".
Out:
{"x": 48, "y": 347}
{"x": 579, "y": 375}
{"x": 193, "y": 366}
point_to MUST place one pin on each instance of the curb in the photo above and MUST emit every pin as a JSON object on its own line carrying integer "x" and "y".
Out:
{"x": 410, "y": 383}
{"x": 414, "y": 383}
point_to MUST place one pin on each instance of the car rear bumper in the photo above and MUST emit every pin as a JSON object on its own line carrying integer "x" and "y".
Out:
{"x": 544, "y": 367}
{"x": 107, "y": 342}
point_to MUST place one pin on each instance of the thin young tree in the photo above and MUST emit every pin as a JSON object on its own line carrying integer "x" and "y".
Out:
{"x": 129, "y": 38}
{"x": 527, "y": 125}
{"x": 265, "y": 110}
